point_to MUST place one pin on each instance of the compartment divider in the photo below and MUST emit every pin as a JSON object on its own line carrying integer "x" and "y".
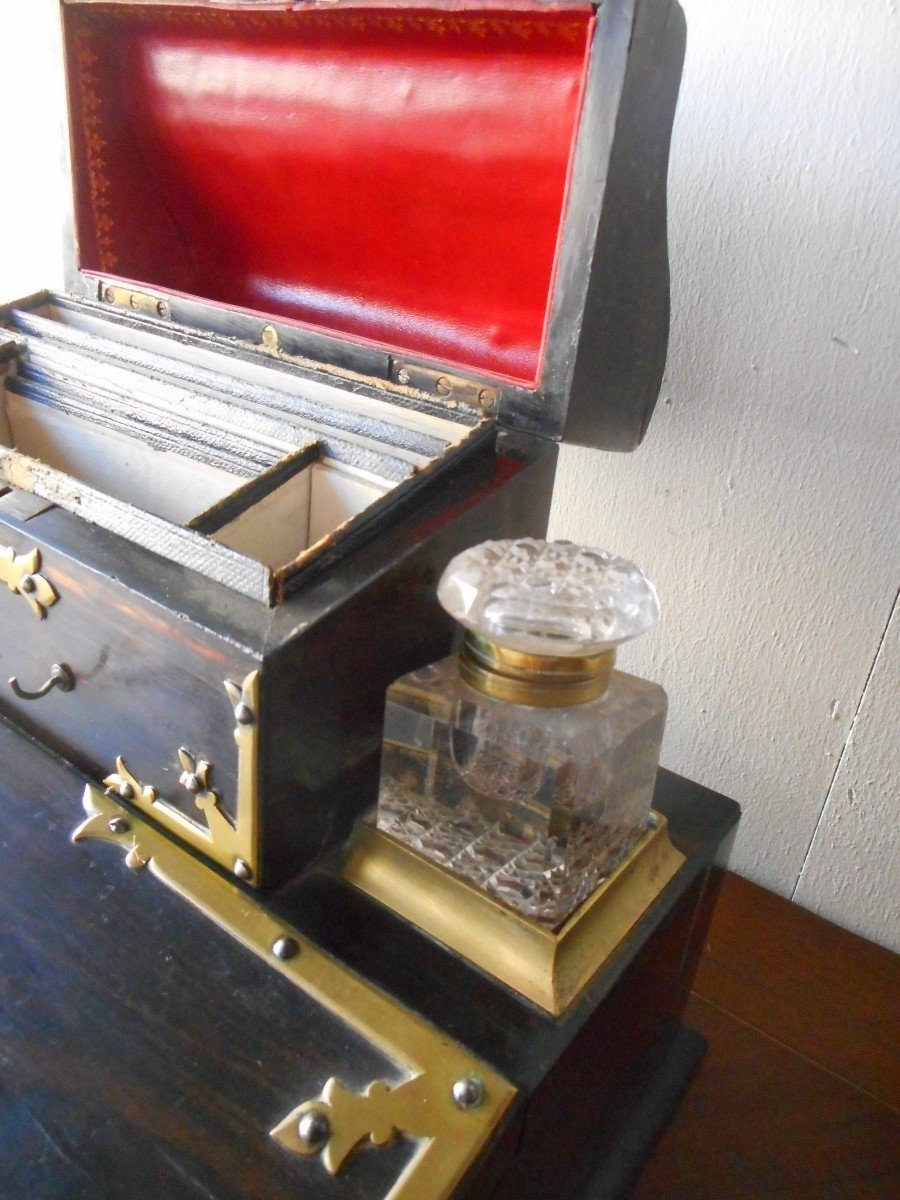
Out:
{"x": 244, "y": 498}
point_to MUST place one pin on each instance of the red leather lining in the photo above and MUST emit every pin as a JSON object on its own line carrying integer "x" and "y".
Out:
{"x": 396, "y": 176}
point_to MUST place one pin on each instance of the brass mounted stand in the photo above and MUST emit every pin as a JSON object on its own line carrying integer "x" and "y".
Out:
{"x": 549, "y": 967}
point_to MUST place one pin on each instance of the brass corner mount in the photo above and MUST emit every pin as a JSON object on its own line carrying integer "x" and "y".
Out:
{"x": 446, "y": 1102}
{"x": 231, "y": 842}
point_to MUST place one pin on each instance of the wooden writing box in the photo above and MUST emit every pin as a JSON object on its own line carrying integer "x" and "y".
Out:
{"x": 341, "y": 277}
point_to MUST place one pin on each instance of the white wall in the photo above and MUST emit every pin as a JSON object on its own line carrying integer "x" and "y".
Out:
{"x": 764, "y": 501}
{"x": 32, "y": 193}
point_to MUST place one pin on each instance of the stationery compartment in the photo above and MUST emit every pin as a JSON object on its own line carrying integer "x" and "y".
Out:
{"x": 233, "y": 468}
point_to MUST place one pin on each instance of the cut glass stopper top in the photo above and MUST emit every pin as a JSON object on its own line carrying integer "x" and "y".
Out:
{"x": 548, "y": 598}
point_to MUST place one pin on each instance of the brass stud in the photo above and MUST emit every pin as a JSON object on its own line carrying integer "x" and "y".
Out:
{"x": 270, "y": 339}
{"x": 27, "y": 585}
{"x": 125, "y": 791}
{"x": 119, "y": 825}
{"x": 244, "y": 715}
{"x": 404, "y": 377}
{"x": 469, "y": 1092}
{"x": 242, "y": 870}
{"x": 190, "y": 781}
{"x": 313, "y": 1130}
{"x": 285, "y": 948}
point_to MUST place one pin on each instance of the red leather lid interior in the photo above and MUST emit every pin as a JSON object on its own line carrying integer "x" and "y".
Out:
{"x": 390, "y": 175}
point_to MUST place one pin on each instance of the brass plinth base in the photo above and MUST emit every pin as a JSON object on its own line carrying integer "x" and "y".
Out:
{"x": 548, "y": 967}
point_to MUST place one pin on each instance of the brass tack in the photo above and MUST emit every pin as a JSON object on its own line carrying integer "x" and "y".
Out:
{"x": 313, "y": 1130}
{"x": 285, "y": 948}
{"x": 469, "y": 1092}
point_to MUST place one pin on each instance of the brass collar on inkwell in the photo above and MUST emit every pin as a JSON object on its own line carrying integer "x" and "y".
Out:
{"x": 536, "y": 680}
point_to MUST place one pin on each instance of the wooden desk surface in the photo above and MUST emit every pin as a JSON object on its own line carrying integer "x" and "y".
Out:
{"x": 799, "y": 1095}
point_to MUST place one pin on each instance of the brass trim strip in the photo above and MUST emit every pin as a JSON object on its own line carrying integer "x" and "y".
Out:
{"x": 550, "y": 968}
{"x": 451, "y": 1103}
{"x": 20, "y": 574}
{"x": 233, "y": 845}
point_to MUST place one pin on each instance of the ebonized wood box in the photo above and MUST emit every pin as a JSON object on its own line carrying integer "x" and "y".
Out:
{"x": 341, "y": 276}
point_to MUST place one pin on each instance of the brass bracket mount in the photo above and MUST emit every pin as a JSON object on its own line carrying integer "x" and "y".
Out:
{"x": 232, "y": 843}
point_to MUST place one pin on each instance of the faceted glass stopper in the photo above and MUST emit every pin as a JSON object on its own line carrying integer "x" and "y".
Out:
{"x": 548, "y": 598}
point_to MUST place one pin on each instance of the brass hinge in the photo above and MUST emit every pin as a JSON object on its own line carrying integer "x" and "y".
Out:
{"x": 139, "y": 302}
{"x": 453, "y": 389}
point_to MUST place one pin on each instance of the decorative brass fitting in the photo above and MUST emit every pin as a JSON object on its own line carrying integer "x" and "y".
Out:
{"x": 232, "y": 842}
{"x": 20, "y": 574}
{"x": 424, "y": 1106}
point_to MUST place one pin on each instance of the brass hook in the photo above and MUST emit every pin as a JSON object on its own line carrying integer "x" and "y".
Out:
{"x": 60, "y": 677}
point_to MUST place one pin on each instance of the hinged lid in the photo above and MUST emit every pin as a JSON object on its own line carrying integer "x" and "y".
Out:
{"x": 463, "y": 196}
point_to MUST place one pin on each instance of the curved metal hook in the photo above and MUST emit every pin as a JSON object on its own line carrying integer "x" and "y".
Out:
{"x": 60, "y": 677}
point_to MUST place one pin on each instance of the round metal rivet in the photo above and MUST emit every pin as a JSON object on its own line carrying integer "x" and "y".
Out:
{"x": 313, "y": 1130}
{"x": 286, "y": 948}
{"x": 119, "y": 825}
{"x": 162, "y": 308}
{"x": 404, "y": 377}
{"x": 191, "y": 783}
{"x": 469, "y": 1092}
{"x": 27, "y": 585}
{"x": 125, "y": 790}
{"x": 243, "y": 714}
{"x": 242, "y": 870}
